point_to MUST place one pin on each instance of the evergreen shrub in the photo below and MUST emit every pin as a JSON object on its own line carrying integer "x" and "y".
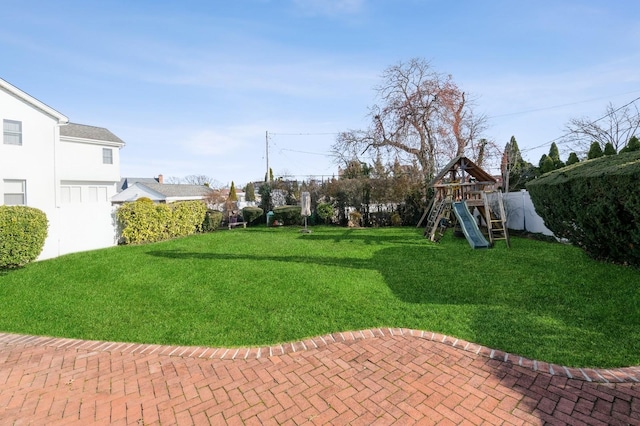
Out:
{"x": 144, "y": 222}
{"x": 212, "y": 220}
{"x": 23, "y": 231}
{"x": 251, "y": 214}
{"x": 288, "y": 215}
{"x": 594, "y": 204}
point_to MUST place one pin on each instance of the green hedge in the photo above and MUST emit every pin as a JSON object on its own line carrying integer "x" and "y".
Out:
{"x": 212, "y": 220}
{"x": 251, "y": 214}
{"x": 594, "y": 204}
{"x": 144, "y": 222}
{"x": 23, "y": 231}
{"x": 288, "y": 215}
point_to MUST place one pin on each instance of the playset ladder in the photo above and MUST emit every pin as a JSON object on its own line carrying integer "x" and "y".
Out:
{"x": 496, "y": 226}
{"x": 441, "y": 209}
{"x": 426, "y": 211}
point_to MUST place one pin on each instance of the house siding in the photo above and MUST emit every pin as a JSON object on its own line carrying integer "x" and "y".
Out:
{"x": 46, "y": 162}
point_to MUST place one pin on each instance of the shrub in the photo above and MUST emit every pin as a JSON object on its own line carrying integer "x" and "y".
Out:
{"x": 355, "y": 218}
{"x": 396, "y": 220}
{"x": 251, "y": 214}
{"x": 288, "y": 215}
{"x": 188, "y": 217}
{"x": 212, "y": 220}
{"x": 595, "y": 151}
{"x": 23, "y": 231}
{"x": 594, "y": 204}
{"x": 144, "y": 222}
{"x": 325, "y": 212}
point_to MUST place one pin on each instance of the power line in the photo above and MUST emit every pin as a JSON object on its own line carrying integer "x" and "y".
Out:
{"x": 569, "y": 132}
{"x": 304, "y": 134}
{"x": 310, "y": 153}
{"x": 560, "y": 106}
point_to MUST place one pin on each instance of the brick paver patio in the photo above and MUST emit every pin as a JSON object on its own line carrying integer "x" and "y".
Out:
{"x": 378, "y": 376}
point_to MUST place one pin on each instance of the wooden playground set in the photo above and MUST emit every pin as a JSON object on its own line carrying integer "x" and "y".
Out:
{"x": 470, "y": 193}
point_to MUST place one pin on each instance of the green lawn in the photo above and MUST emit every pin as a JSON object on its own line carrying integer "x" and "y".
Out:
{"x": 260, "y": 286}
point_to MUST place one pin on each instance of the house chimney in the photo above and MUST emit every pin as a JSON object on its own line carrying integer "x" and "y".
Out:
{"x": 160, "y": 179}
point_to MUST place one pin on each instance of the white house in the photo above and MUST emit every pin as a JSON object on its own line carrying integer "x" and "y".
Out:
{"x": 69, "y": 171}
{"x": 160, "y": 192}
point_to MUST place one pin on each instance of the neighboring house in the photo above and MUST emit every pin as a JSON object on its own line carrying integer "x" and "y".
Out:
{"x": 161, "y": 192}
{"x": 126, "y": 182}
{"x": 69, "y": 171}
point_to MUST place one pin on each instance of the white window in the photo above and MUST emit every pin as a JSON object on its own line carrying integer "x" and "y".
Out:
{"x": 12, "y": 132}
{"x": 15, "y": 192}
{"x": 70, "y": 194}
{"x": 107, "y": 156}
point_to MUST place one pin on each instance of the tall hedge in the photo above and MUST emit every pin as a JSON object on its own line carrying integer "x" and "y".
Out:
{"x": 251, "y": 214}
{"x": 23, "y": 231}
{"x": 144, "y": 222}
{"x": 595, "y": 204}
{"x": 288, "y": 215}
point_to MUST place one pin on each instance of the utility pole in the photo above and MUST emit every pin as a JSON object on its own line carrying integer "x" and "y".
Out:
{"x": 266, "y": 176}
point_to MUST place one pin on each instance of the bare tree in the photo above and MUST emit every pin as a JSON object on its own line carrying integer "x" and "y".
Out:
{"x": 616, "y": 127}
{"x": 216, "y": 198}
{"x": 199, "y": 180}
{"x": 423, "y": 117}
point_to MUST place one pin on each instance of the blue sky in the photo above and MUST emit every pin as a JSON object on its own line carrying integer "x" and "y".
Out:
{"x": 192, "y": 86}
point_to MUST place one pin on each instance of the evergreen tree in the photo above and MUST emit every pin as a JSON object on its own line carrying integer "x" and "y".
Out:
{"x": 594, "y": 151}
{"x": 546, "y": 164}
{"x": 232, "y": 192}
{"x": 554, "y": 154}
{"x": 632, "y": 145}
{"x": 609, "y": 149}
{"x": 266, "y": 201}
{"x": 573, "y": 159}
{"x": 520, "y": 171}
{"x": 250, "y": 192}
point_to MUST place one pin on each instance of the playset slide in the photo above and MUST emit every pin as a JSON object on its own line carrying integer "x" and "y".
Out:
{"x": 469, "y": 226}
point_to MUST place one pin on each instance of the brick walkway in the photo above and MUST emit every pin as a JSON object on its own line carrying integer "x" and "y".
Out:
{"x": 378, "y": 376}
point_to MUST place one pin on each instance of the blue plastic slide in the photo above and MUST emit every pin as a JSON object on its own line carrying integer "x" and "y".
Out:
{"x": 469, "y": 226}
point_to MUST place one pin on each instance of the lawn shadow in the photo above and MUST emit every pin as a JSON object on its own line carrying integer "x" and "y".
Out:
{"x": 349, "y": 235}
{"x": 554, "y": 321}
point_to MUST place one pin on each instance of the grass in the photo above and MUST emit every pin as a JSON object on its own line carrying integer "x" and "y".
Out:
{"x": 260, "y": 286}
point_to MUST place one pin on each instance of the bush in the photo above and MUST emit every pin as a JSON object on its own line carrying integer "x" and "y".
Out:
{"x": 594, "y": 204}
{"x": 325, "y": 212}
{"x": 23, "y": 231}
{"x": 188, "y": 217}
{"x": 251, "y": 214}
{"x": 396, "y": 220}
{"x": 355, "y": 219}
{"x": 288, "y": 215}
{"x": 144, "y": 222}
{"x": 212, "y": 220}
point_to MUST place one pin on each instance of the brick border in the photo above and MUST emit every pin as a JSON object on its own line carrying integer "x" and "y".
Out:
{"x": 615, "y": 375}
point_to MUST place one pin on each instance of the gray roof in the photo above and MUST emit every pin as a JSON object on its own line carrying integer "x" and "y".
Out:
{"x": 126, "y": 182}
{"x": 178, "y": 190}
{"x": 82, "y": 131}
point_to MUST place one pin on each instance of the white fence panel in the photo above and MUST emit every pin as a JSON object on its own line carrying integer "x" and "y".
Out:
{"x": 521, "y": 214}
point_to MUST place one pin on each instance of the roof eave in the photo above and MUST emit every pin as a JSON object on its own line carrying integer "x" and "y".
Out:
{"x": 61, "y": 118}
